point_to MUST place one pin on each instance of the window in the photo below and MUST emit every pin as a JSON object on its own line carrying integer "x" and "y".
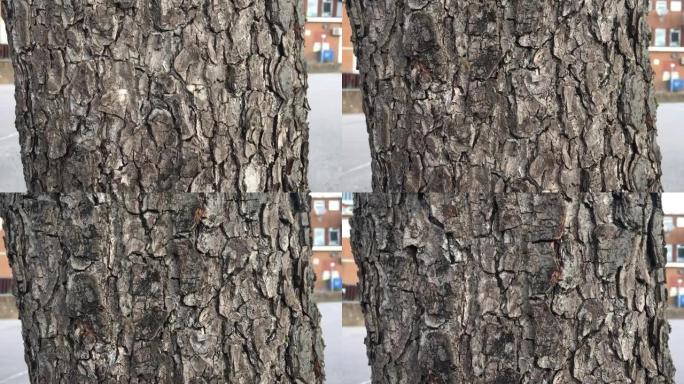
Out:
{"x": 675, "y": 6}
{"x": 338, "y": 11}
{"x": 312, "y": 8}
{"x": 680, "y": 253}
{"x": 348, "y": 197}
{"x": 319, "y": 207}
{"x": 674, "y": 37}
{"x": 668, "y": 223}
{"x": 333, "y": 205}
{"x": 668, "y": 253}
{"x": 659, "y": 37}
{"x": 327, "y": 8}
{"x": 319, "y": 236}
{"x": 679, "y": 221}
{"x": 661, "y": 7}
{"x": 334, "y": 234}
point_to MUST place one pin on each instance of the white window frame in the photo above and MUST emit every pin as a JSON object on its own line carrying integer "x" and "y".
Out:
{"x": 319, "y": 207}
{"x": 319, "y": 237}
{"x": 312, "y": 8}
{"x": 333, "y": 205}
{"x": 661, "y": 7}
{"x": 675, "y": 5}
{"x": 660, "y": 37}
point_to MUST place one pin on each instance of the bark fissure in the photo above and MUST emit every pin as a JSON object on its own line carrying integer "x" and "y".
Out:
{"x": 476, "y": 96}
{"x": 514, "y": 288}
{"x": 155, "y": 96}
{"x": 165, "y": 287}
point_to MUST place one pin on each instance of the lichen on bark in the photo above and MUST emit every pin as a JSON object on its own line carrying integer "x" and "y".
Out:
{"x": 161, "y": 95}
{"x": 479, "y": 96}
{"x": 143, "y": 288}
{"x": 513, "y": 288}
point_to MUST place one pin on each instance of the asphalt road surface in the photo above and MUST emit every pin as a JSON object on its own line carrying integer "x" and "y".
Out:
{"x": 325, "y": 133}
{"x": 356, "y": 170}
{"x": 11, "y": 175}
{"x": 671, "y": 140}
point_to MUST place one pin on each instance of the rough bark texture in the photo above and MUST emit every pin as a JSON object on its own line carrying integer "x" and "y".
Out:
{"x": 516, "y": 288}
{"x": 165, "y": 288}
{"x": 516, "y": 95}
{"x": 160, "y": 95}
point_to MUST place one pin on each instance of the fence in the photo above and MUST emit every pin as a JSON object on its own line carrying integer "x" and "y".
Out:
{"x": 4, "y": 51}
{"x": 351, "y": 80}
{"x": 6, "y": 285}
{"x": 351, "y": 293}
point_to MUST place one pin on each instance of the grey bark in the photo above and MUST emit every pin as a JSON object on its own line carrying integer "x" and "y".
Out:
{"x": 160, "y": 95}
{"x": 192, "y": 288}
{"x": 513, "y": 288}
{"x": 517, "y": 95}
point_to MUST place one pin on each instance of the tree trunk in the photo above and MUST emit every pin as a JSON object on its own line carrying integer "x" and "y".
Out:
{"x": 165, "y": 288}
{"x": 160, "y": 95}
{"x": 515, "y": 288}
{"x": 507, "y": 96}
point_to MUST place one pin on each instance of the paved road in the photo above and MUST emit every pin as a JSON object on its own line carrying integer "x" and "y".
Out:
{"x": 325, "y": 133}
{"x": 11, "y": 175}
{"x": 671, "y": 140}
{"x": 345, "y": 355}
{"x": 12, "y": 366}
{"x": 356, "y": 170}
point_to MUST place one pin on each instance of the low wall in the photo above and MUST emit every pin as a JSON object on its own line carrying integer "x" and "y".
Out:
{"x": 352, "y": 101}
{"x": 352, "y": 316}
{"x": 6, "y": 72}
{"x": 8, "y": 307}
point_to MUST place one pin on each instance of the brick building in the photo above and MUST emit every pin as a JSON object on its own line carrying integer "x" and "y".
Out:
{"x": 674, "y": 252}
{"x": 5, "y": 271}
{"x": 350, "y": 276}
{"x": 326, "y": 226}
{"x": 348, "y": 57}
{"x": 666, "y": 52}
{"x": 323, "y": 31}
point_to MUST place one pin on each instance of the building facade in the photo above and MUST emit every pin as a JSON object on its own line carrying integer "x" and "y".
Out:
{"x": 5, "y": 271}
{"x": 323, "y": 31}
{"x": 350, "y": 272}
{"x": 674, "y": 252}
{"x": 666, "y": 19}
{"x": 326, "y": 228}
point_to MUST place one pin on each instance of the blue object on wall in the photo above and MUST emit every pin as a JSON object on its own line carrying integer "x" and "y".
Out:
{"x": 337, "y": 284}
{"x": 681, "y": 301}
{"x": 327, "y": 56}
{"x": 677, "y": 85}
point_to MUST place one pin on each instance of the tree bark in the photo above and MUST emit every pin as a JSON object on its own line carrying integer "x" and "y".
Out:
{"x": 479, "y": 96}
{"x": 160, "y": 95}
{"x": 165, "y": 288}
{"x": 513, "y": 288}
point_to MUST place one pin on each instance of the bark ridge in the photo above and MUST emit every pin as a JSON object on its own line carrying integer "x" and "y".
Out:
{"x": 201, "y": 288}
